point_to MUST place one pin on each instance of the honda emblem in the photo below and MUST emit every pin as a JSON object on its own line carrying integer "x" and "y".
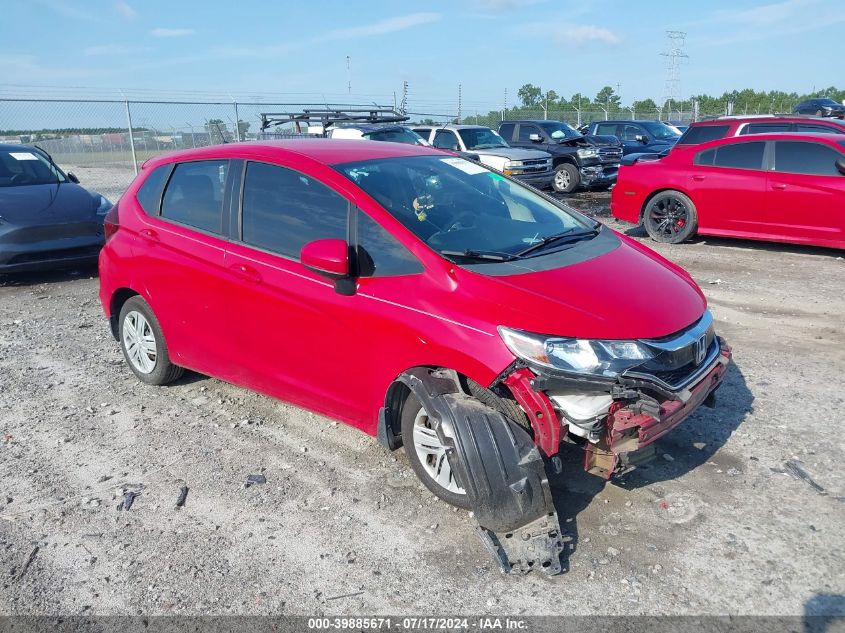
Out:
{"x": 700, "y": 349}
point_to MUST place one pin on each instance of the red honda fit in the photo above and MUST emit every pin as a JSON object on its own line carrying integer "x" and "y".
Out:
{"x": 361, "y": 279}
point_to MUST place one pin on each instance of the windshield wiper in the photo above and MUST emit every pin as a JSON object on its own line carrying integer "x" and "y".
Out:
{"x": 491, "y": 256}
{"x": 568, "y": 234}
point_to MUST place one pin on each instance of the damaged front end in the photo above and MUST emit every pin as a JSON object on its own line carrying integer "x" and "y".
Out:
{"x": 616, "y": 417}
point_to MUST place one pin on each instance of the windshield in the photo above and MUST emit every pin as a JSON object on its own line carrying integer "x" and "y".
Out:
{"x": 27, "y": 167}
{"x": 481, "y": 138}
{"x": 396, "y": 135}
{"x": 465, "y": 211}
{"x": 661, "y": 130}
{"x": 560, "y": 130}
{"x": 828, "y": 102}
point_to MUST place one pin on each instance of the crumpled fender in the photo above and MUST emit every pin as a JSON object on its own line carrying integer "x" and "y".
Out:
{"x": 498, "y": 464}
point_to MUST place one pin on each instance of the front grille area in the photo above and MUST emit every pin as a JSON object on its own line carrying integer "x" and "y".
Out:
{"x": 542, "y": 162}
{"x": 610, "y": 154}
{"x": 676, "y": 360}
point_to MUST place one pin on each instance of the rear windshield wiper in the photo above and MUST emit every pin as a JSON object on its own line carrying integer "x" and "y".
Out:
{"x": 490, "y": 256}
{"x": 568, "y": 234}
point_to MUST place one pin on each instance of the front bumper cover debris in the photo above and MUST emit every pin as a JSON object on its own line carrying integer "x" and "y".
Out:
{"x": 502, "y": 471}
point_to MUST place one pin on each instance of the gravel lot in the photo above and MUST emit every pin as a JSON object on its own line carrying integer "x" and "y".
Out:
{"x": 721, "y": 523}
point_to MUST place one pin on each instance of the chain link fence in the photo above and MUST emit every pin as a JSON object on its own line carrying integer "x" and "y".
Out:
{"x": 104, "y": 142}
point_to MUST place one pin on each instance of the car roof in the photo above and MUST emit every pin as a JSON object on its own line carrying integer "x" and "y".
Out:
{"x": 322, "y": 150}
{"x": 627, "y": 121}
{"x": 767, "y": 118}
{"x": 833, "y": 138}
{"x": 16, "y": 147}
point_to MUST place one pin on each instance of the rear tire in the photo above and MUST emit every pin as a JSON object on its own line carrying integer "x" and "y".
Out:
{"x": 428, "y": 456}
{"x": 143, "y": 344}
{"x": 670, "y": 217}
{"x": 567, "y": 178}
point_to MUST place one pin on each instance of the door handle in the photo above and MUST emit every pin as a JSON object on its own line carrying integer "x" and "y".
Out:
{"x": 149, "y": 234}
{"x": 698, "y": 177}
{"x": 779, "y": 186}
{"x": 245, "y": 272}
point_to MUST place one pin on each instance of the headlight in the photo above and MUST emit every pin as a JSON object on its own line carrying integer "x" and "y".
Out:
{"x": 588, "y": 152}
{"x": 103, "y": 205}
{"x": 512, "y": 167}
{"x": 584, "y": 356}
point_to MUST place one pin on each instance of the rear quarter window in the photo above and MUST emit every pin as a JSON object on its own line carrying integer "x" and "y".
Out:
{"x": 149, "y": 193}
{"x": 697, "y": 134}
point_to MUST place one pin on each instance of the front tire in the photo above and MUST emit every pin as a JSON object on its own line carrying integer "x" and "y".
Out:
{"x": 567, "y": 178}
{"x": 670, "y": 217}
{"x": 143, "y": 345}
{"x": 427, "y": 455}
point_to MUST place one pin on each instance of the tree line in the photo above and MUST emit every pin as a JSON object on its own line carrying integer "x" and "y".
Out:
{"x": 746, "y": 101}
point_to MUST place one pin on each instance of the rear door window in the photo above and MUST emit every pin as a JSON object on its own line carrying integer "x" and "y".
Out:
{"x": 696, "y": 135}
{"x": 506, "y": 131}
{"x": 765, "y": 128}
{"x": 194, "y": 195}
{"x": 824, "y": 129}
{"x": 740, "y": 156}
{"x": 284, "y": 209}
{"x": 801, "y": 157}
{"x": 606, "y": 129}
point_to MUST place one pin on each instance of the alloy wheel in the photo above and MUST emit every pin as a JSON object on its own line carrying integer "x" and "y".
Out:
{"x": 139, "y": 342}
{"x": 668, "y": 216}
{"x": 432, "y": 454}
{"x": 562, "y": 179}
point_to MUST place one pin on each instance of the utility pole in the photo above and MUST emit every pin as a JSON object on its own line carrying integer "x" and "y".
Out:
{"x": 674, "y": 55}
{"x": 403, "y": 106}
{"x": 459, "y": 104}
{"x": 348, "y": 75}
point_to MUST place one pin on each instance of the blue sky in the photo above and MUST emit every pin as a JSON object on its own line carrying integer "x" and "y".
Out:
{"x": 298, "y": 49}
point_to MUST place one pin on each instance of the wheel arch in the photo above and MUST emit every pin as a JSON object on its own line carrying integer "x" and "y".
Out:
{"x": 118, "y": 298}
{"x": 560, "y": 159}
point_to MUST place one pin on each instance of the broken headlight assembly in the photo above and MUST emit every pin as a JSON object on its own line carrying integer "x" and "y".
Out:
{"x": 583, "y": 356}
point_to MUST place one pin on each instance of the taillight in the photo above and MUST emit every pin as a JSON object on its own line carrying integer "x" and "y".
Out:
{"x": 111, "y": 223}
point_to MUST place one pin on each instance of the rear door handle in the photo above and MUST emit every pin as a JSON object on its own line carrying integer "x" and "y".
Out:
{"x": 779, "y": 186}
{"x": 245, "y": 272}
{"x": 149, "y": 234}
{"x": 698, "y": 177}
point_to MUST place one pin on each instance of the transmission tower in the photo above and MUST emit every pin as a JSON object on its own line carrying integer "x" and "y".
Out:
{"x": 674, "y": 56}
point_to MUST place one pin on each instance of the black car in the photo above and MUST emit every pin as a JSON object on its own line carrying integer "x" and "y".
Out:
{"x": 578, "y": 160}
{"x": 46, "y": 219}
{"x": 638, "y": 137}
{"x": 820, "y": 107}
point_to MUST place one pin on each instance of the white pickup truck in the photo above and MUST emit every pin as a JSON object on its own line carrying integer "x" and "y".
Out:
{"x": 531, "y": 166}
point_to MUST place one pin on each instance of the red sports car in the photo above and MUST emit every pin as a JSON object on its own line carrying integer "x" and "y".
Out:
{"x": 779, "y": 187}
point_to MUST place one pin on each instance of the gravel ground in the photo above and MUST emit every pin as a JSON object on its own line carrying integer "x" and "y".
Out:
{"x": 721, "y": 523}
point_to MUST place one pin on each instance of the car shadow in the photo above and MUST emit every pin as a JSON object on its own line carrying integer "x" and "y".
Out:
{"x": 690, "y": 445}
{"x": 59, "y": 275}
{"x": 824, "y": 612}
{"x": 770, "y": 247}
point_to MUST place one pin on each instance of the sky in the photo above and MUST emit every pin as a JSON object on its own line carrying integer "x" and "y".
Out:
{"x": 297, "y": 51}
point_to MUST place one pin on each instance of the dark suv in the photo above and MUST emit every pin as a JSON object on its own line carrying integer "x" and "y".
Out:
{"x": 578, "y": 160}
{"x": 724, "y": 127}
{"x": 638, "y": 137}
{"x": 820, "y": 107}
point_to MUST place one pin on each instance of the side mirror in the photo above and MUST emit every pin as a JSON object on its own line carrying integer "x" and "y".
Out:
{"x": 72, "y": 177}
{"x": 534, "y": 138}
{"x": 326, "y": 257}
{"x": 642, "y": 138}
{"x": 840, "y": 165}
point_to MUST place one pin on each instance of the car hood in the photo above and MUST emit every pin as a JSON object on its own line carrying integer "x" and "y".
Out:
{"x": 512, "y": 153}
{"x": 41, "y": 204}
{"x": 628, "y": 292}
{"x": 594, "y": 139}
